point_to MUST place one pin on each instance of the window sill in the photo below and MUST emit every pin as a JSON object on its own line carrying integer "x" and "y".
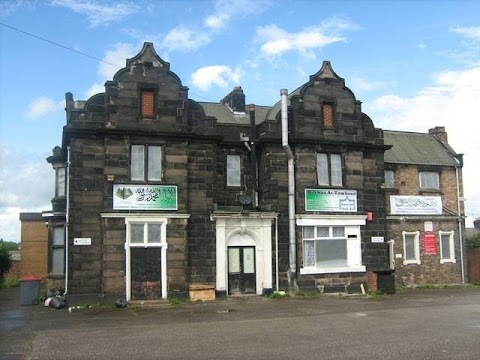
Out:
{"x": 330, "y": 270}
{"x": 448, "y": 261}
{"x": 412, "y": 262}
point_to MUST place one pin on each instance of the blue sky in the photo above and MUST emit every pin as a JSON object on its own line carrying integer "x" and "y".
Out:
{"x": 413, "y": 64}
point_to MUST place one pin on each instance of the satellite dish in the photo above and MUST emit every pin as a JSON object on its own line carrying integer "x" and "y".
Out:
{"x": 245, "y": 199}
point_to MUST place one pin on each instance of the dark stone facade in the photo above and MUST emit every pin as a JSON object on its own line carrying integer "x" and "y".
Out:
{"x": 100, "y": 132}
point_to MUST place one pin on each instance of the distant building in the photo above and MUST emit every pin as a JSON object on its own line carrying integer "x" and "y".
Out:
{"x": 156, "y": 192}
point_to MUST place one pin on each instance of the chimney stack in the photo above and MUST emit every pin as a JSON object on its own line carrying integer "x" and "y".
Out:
{"x": 235, "y": 100}
{"x": 439, "y": 132}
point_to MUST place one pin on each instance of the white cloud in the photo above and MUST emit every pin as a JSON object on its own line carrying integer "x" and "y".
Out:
{"x": 472, "y": 32}
{"x": 451, "y": 101}
{"x": 96, "y": 88}
{"x": 9, "y": 7}
{"x": 26, "y": 187}
{"x": 226, "y": 9}
{"x": 219, "y": 75}
{"x": 184, "y": 39}
{"x": 276, "y": 41}
{"x": 361, "y": 84}
{"x": 43, "y": 106}
{"x": 99, "y": 13}
{"x": 114, "y": 59}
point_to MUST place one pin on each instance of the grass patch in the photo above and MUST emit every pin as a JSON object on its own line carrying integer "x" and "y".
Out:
{"x": 10, "y": 281}
{"x": 177, "y": 301}
{"x": 308, "y": 294}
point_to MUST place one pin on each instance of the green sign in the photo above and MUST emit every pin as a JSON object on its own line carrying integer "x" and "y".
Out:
{"x": 144, "y": 197}
{"x": 330, "y": 200}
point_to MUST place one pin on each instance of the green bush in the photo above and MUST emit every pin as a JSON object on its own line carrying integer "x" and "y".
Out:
{"x": 5, "y": 260}
{"x": 10, "y": 281}
{"x": 473, "y": 242}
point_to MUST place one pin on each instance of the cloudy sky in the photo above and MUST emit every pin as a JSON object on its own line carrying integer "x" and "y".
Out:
{"x": 413, "y": 64}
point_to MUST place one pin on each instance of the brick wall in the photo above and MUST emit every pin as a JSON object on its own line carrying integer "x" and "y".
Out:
{"x": 431, "y": 270}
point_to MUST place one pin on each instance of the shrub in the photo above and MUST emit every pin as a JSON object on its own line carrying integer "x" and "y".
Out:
{"x": 5, "y": 260}
{"x": 473, "y": 242}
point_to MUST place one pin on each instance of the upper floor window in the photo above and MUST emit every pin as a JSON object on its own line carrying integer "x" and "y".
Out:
{"x": 389, "y": 179}
{"x": 411, "y": 247}
{"x": 60, "y": 181}
{"x": 147, "y": 103}
{"x": 329, "y": 169}
{"x": 146, "y": 163}
{"x": 327, "y": 113}
{"x": 429, "y": 180}
{"x": 233, "y": 170}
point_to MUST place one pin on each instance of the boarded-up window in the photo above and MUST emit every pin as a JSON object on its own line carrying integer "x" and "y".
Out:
{"x": 328, "y": 115}
{"x": 148, "y": 107}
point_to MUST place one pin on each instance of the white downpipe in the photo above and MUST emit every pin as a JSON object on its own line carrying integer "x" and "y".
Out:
{"x": 67, "y": 218}
{"x": 291, "y": 187}
{"x": 460, "y": 234}
{"x": 276, "y": 254}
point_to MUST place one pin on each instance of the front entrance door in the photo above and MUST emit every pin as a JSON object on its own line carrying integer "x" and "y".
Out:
{"x": 146, "y": 273}
{"x": 241, "y": 270}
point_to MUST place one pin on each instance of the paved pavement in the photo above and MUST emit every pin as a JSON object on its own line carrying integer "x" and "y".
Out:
{"x": 418, "y": 324}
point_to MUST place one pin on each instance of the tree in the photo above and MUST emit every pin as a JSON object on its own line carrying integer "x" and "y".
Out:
{"x": 473, "y": 242}
{"x": 10, "y": 245}
{"x": 5, "y": 260}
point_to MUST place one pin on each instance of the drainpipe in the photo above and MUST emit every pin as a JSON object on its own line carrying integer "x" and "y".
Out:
{"x": 67, "y": 217}
{"x": 291, "y": 191}
{"x": 459, "y": 209}
{"x": 253, "y": 154}
{"x": 276, "y": 253}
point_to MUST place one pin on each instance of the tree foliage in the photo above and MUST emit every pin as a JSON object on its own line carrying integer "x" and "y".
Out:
{"x": 5, "y": 259}
{"x": 473, "y": 242}
{"x": 10, "y": 245}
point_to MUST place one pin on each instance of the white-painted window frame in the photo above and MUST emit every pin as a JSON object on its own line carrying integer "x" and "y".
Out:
{"x": 353, "y": 239}
{"x": 451, "y": 245}
{"x": 162, "y": 243}
{"x": 416, "y": 245}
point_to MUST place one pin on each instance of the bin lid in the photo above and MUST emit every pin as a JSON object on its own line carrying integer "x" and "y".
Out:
{"x": 30, "y": 278}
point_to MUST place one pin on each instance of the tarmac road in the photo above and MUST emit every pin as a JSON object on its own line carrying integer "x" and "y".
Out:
{"x": 412, "y": 324}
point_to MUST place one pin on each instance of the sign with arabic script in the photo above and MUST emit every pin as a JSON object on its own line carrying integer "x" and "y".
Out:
{"x": 144, "y": 197}
{"x": 330, "y": 200}
{"x": 415, "y": 205}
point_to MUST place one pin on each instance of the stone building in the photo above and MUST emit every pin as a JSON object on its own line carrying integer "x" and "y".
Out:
{"x": 157, "y": 192}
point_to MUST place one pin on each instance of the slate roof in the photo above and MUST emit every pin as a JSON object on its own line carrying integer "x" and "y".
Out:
{"x": 417, "y": 148}
{"x": 225, "y": 115}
